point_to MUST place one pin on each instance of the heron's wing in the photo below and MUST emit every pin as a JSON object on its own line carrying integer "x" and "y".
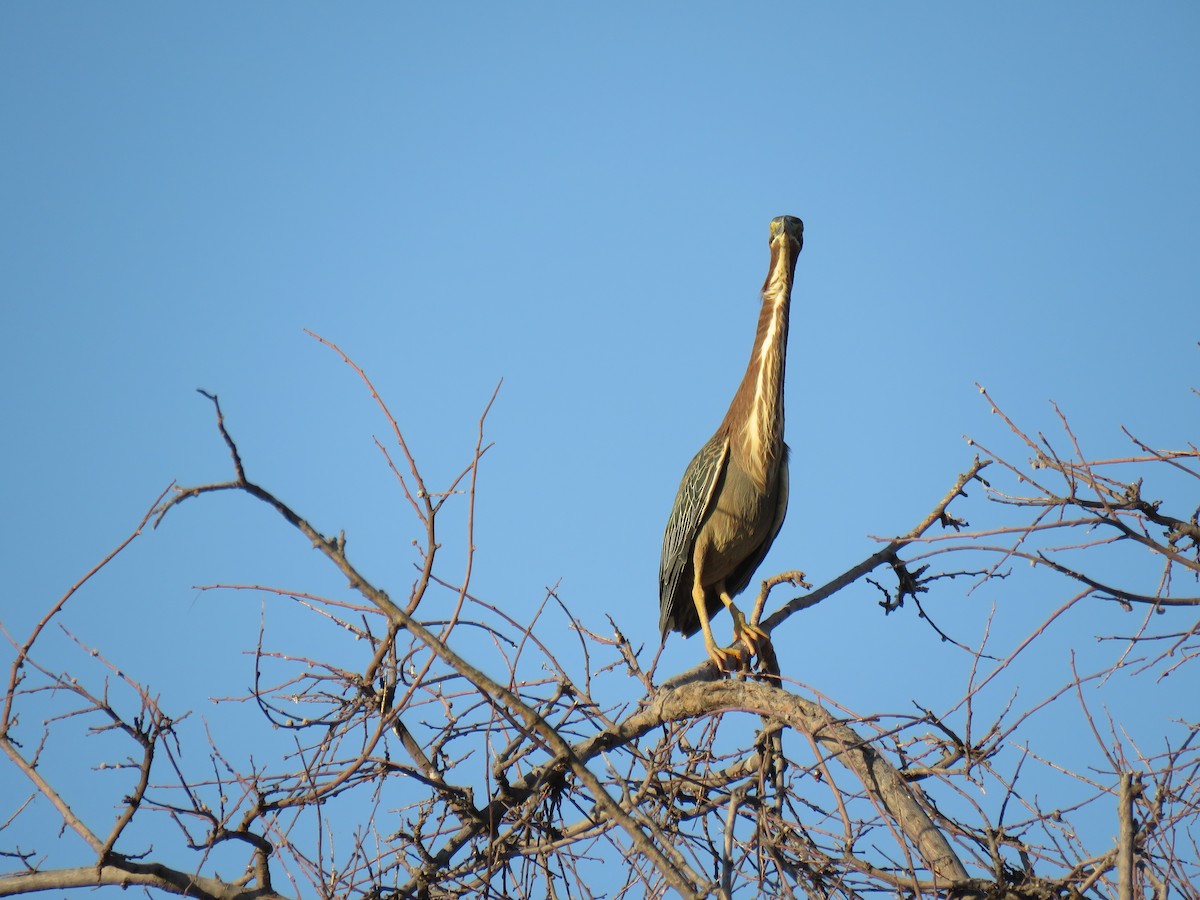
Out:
{"x": 696, "y": 492}
{"x": 740, "y": 577}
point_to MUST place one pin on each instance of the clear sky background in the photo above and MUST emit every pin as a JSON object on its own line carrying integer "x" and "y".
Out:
{"x": 573, "y": 198}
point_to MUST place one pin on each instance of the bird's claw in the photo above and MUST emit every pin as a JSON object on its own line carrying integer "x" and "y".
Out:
{"x": 727, "y": 659}
{"x": 749, "y": 634}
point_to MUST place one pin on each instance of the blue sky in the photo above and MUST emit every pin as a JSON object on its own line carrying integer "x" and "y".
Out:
{"x": 574, "y": 199}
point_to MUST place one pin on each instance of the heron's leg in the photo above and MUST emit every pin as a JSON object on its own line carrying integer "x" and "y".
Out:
{"x": 746, "y": 632}
{"x": 722, "y": 656}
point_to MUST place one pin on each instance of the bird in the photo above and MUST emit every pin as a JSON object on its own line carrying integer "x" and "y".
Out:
{"x": 733, "y": 496}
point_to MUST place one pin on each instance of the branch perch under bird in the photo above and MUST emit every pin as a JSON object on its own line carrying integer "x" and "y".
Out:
{"x": 733, "y": 497}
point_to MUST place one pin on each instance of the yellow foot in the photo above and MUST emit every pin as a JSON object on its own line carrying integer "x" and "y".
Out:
{"x": 751, "y": 635}
{"x": 726, "y": 659}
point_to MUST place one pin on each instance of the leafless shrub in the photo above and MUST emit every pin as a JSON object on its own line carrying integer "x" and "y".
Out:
{"x": 404, "y": 769}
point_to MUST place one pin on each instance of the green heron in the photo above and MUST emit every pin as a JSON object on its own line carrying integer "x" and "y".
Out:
{"x": 734, "y": 493}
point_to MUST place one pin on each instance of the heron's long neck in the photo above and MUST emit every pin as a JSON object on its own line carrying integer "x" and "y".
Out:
{"x": 755, "y": 416}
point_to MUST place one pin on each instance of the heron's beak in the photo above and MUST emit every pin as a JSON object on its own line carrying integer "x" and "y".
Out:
{"x": 787, "y": 239}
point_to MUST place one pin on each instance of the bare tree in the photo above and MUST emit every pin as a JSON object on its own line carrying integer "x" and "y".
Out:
{"x": 406, "y": 767}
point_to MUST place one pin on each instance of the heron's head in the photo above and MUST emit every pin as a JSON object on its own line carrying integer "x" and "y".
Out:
{"x": 787, "y": 238}
{"x": 788, "y": 229}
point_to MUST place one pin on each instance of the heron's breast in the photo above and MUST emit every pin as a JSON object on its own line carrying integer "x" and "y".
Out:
{"x": 741, "y": 520}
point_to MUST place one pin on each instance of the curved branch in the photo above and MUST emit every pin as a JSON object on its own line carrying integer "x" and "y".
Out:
{"x": 699, "y": 699}
{"x": 881, "y": 780}
{"x": 129, "y": 874}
